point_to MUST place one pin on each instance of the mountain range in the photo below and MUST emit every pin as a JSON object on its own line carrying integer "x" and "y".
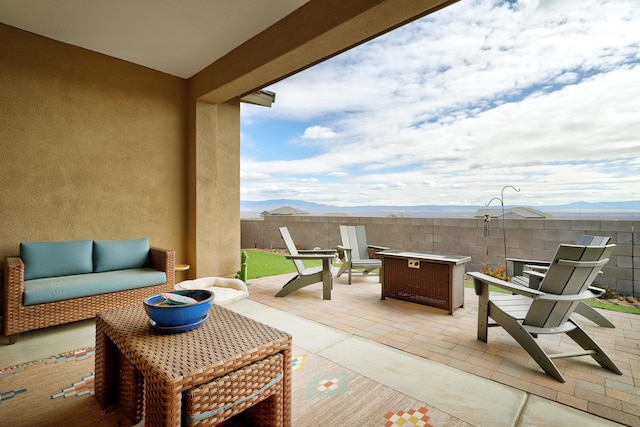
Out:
{"x": 628, "y": 210}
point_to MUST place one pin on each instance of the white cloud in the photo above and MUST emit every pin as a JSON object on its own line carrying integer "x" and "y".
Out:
{"x": 318, "y": 132}
{"x": 304, "y": 180}
{"x": 539, "y": 94}
{"x": 377, "y": 187}
{"x": 253, "y": 176}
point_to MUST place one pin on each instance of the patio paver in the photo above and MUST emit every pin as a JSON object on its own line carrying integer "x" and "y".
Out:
{"x": 451, "y": 340}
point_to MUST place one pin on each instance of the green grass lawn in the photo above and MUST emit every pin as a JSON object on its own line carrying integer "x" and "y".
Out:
{"x": 614, "y": 307}
{"x": 262, "y": 264}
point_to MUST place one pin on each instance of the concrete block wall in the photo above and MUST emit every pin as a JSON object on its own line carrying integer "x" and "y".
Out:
{"x": 527, "y": 239}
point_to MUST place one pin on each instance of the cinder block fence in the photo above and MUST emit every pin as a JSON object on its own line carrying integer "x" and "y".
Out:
{"x": 526, "y": 238}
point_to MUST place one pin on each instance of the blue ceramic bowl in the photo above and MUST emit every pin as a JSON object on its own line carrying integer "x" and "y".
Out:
{"x": 179, "y": 315}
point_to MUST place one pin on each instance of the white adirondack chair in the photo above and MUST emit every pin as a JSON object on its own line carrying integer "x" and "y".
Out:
{"x": 311, "y": 275}
{"x": 356, "y": 251}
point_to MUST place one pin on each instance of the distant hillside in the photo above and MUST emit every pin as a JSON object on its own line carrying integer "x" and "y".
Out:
{"x": 629, "y": 210}
{"x": 610, "y": 206}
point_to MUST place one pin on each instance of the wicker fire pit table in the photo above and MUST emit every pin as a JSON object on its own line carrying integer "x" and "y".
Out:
{"x": 228, "y": 365}
{"x": 433, "y": 280}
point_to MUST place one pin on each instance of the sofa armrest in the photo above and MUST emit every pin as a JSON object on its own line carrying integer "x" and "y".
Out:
{"x": 164, "y": 260}
{"x": 13, "y": 285}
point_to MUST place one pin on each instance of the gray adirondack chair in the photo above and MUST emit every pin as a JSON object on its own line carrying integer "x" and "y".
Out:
{"x": 532, "y": 312}
{"x": 356, "y": 251}
{"x": 520, "y": 264}
{"x": 531, "y": 277}
{"x": 311, "y": 275}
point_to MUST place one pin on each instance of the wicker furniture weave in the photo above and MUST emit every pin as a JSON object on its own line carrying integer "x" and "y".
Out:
{"x": 435, "y": 280}
{"x": 200, "y": 377}
{"x": 20, "y": 318}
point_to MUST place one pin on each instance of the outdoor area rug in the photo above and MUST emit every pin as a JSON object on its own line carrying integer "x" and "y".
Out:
{"x": 58, "y": 391}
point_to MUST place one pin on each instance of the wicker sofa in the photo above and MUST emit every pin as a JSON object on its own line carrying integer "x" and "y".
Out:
{"x": 53, "y": 283}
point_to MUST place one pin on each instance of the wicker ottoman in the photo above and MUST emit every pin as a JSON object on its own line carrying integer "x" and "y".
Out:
{"x": 130, "y": 389}
{"x": 256, "y": 388}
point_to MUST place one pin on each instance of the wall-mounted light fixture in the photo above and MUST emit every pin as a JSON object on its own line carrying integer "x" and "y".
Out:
{"x": 261, "y": 97}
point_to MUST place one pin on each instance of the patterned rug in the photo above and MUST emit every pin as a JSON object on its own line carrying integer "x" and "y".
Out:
{"x": 58, "y": 391}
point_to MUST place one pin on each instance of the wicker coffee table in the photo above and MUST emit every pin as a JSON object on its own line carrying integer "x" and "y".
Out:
{"x": 202, "y": 377}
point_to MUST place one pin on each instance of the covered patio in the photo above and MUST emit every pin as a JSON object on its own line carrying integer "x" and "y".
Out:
{"x": 450, "y": 341}
{"x": 424, "y": 354}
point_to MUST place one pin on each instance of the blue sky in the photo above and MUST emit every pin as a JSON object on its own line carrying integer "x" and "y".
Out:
{"x": 542, "y": 95}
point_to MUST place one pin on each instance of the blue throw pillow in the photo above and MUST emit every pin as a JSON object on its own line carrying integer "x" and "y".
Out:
{"x": 51, "y": 259}
{"x": 110, "y": 255}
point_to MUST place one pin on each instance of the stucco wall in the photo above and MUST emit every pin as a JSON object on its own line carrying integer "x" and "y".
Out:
{"x": 529, "y": 239}
{"x": 92, "y": 147}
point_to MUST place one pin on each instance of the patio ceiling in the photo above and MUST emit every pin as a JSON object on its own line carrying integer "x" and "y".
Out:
{"x": 178, "y": 38}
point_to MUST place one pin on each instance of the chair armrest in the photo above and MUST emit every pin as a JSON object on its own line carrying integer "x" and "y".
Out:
{"x": 529, "y": 261}
{"x": 534, "y": 273}
{"x": 344, "y": 252}
{"x": 519, "y": 263}
{"x": 374, "y": 249}
{"x": 483, "y": 279}
{"x": 535, "y": 278}
{"x": 317, "y": 251}
{"x": 311, "y": 256}
{"x": 378, "y": 248}
{"x": 520, "y": 280}
{"x": 538, "y": 268}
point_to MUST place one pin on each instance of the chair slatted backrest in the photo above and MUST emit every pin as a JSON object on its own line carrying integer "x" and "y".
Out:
{"x": 291, "y": 247}
{"x": 587, "y": 240}
{"x": 572, "y": 271}
{"x": 355, "y": 237}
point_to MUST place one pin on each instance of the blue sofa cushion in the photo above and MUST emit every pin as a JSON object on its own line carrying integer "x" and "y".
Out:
{"x": 51, "y": 289}
{"x": 50, "y": 259}
{"x": 110, "y": 255}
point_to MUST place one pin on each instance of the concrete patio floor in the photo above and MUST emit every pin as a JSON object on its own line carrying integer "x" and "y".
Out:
{"x": 426, "y": 354}
{"x": 450, "y": 344}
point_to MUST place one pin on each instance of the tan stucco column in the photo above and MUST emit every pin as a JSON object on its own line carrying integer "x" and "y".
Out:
{"x": 316, "y": 31}
{"x": 214, "y": 189}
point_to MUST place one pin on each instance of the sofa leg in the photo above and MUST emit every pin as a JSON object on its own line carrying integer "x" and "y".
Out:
{"x": 13, "y": 339}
